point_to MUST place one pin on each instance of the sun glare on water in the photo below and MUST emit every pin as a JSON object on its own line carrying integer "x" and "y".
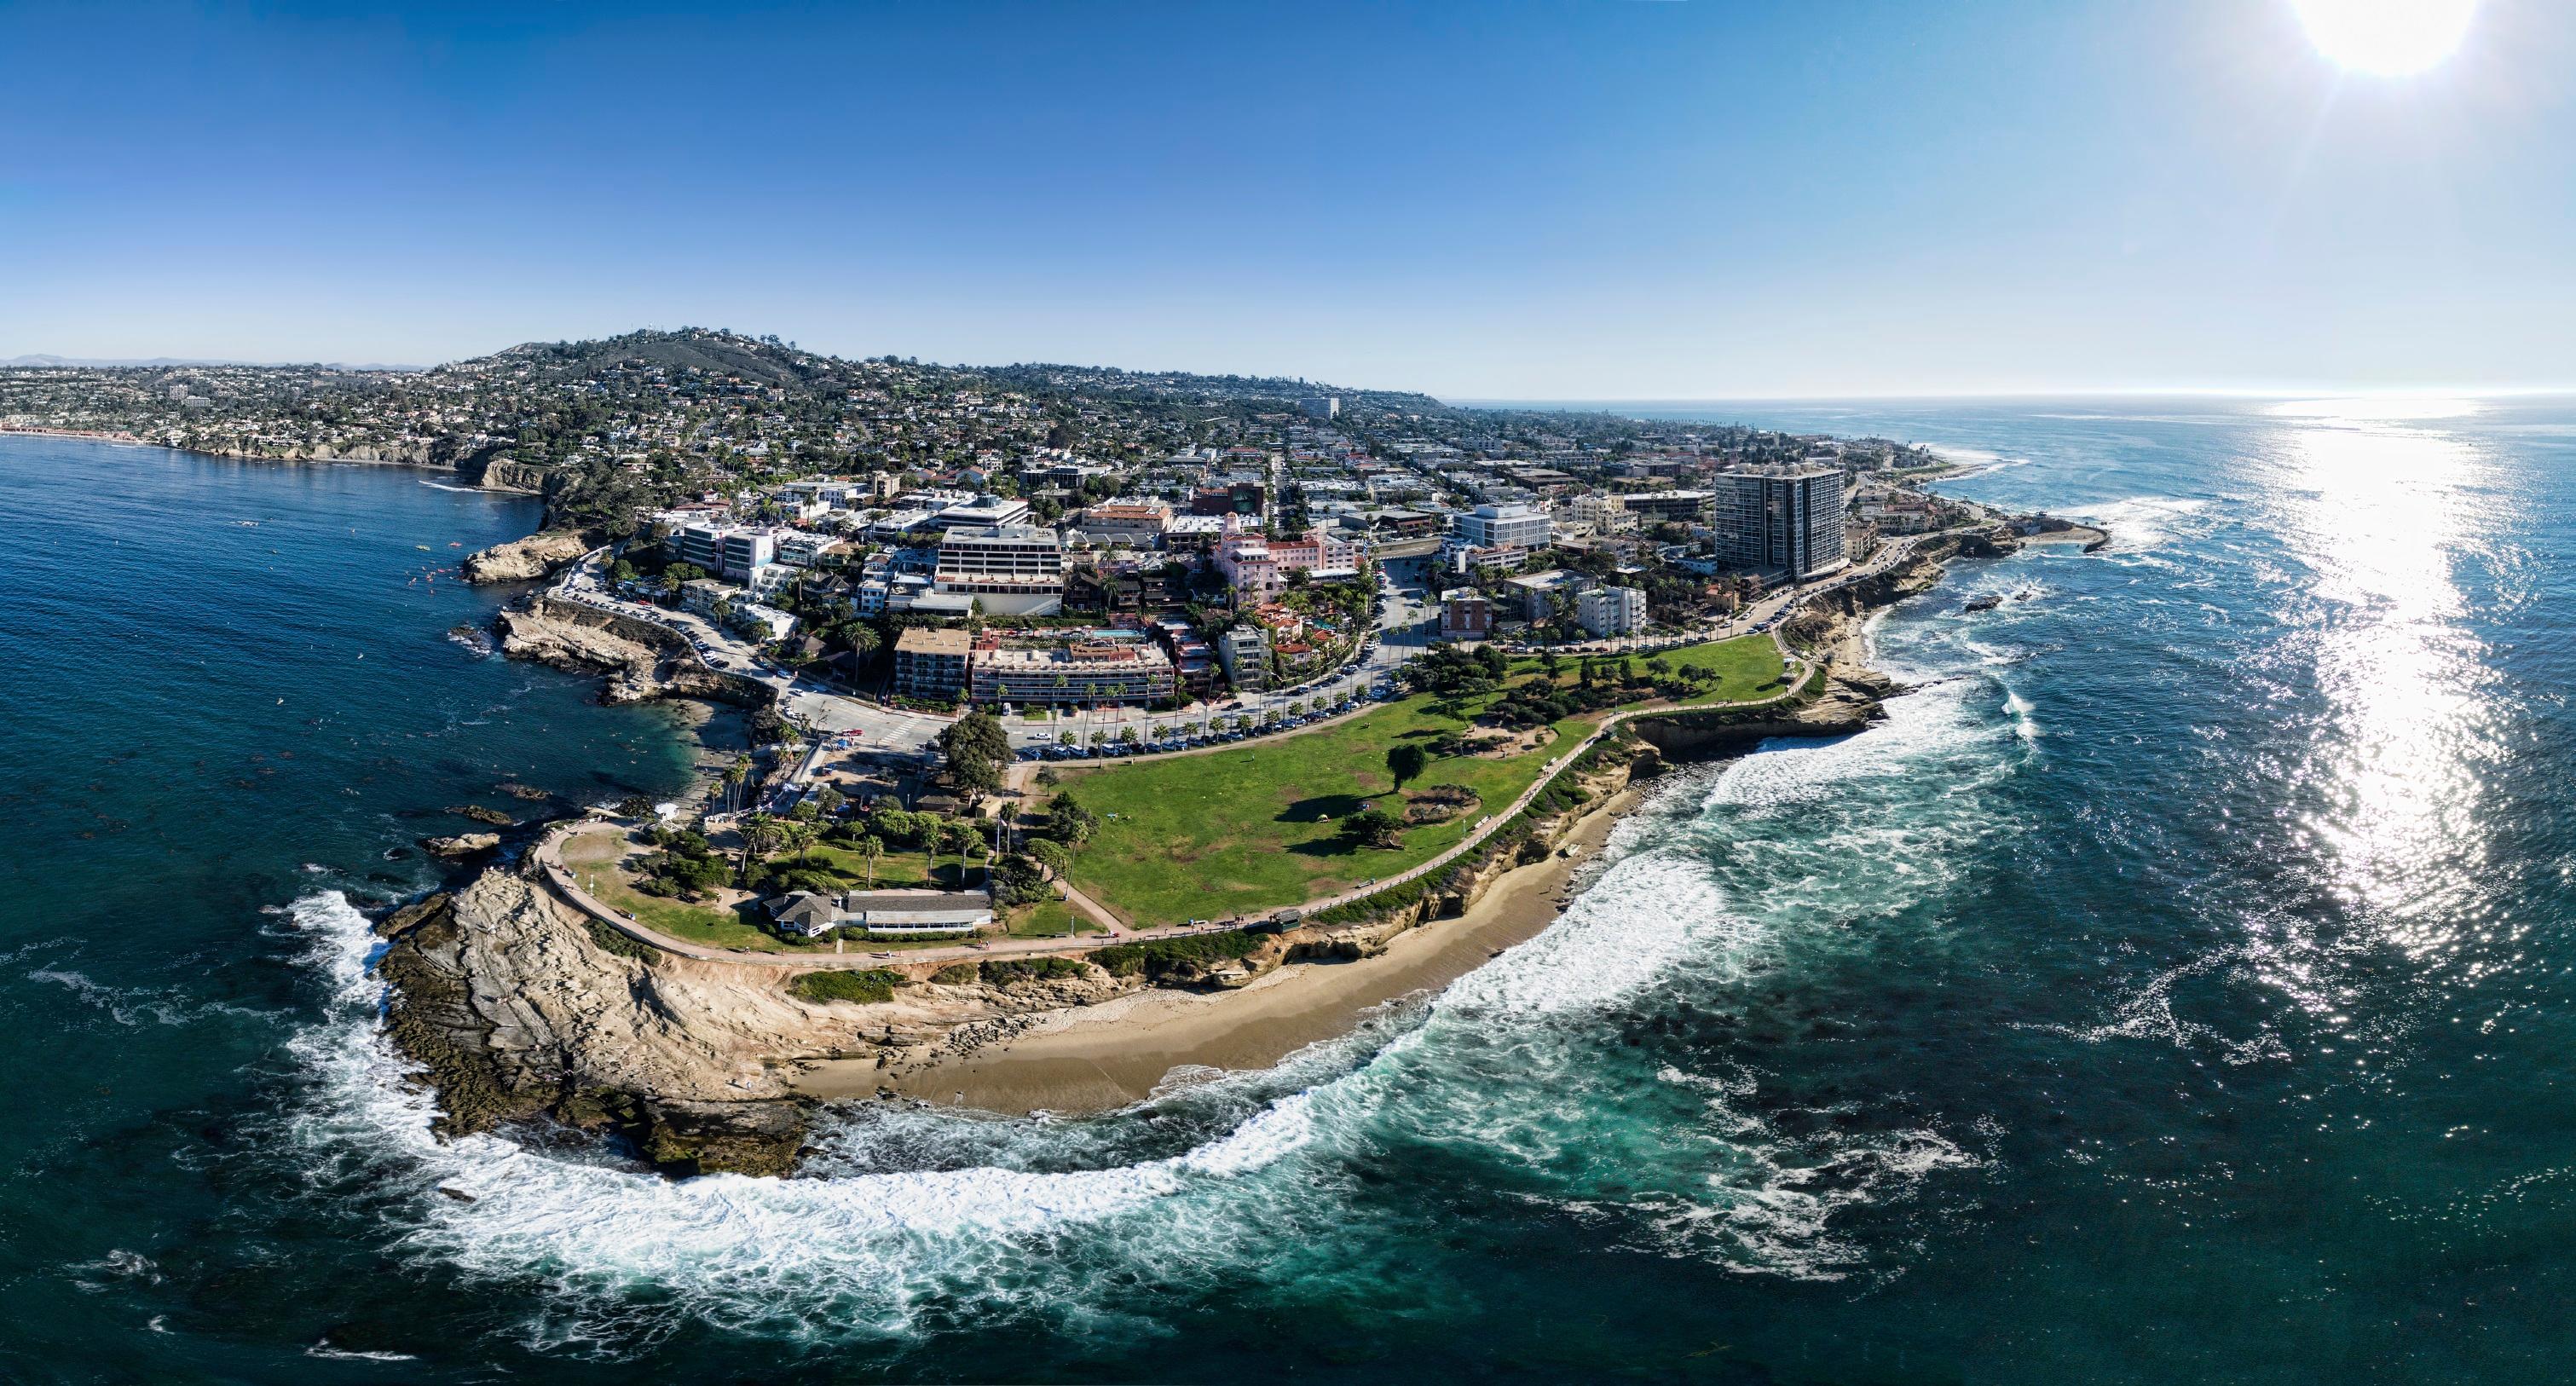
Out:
{"x": 2388, "y": 38}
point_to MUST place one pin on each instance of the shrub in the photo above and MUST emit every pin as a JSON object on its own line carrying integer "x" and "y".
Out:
{"x": 868, "y": 988}
{"x": 611, "y": 941}
{"x": 1161, "y": 957}
{"x": 1001, "y": 972}
{"x": 955, "y": 975}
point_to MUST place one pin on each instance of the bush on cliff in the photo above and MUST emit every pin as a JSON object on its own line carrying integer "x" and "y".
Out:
{"x": 1001, "y": 972}
{"x": 868, "y": 988}
{"x": 1155, "y": 959}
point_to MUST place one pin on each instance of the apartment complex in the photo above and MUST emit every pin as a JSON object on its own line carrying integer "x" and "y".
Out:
{"x": 932, "y": 663}
{"x": 1607, "y": 611}
{"x": 1466, "y": 614}
{"x": 1783, "y": 521}
{"x": 1085, "y": 671}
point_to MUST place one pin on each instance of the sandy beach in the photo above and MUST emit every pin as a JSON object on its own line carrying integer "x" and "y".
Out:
{"x": 1114, "y": 1054}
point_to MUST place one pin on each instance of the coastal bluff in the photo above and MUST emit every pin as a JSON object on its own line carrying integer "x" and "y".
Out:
{"x": 527, "y": 560}
{"x": 516, "y": 1008}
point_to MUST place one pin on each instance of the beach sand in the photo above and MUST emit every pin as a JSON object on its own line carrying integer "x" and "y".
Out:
{"x": 1113, "y": 1054}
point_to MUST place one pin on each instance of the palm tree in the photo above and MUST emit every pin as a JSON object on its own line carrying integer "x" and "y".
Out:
{"x": 734, "y": 775}
{"x": 872, "y": 847}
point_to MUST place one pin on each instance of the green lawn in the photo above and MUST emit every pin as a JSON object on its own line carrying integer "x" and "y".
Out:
{"x": 593, "y": 858}
{"x": 1746, "y": 667}
{"x": 1046, "y": 919}
{"x": 1257, "y": 827}
{"x": 896, "y": 869}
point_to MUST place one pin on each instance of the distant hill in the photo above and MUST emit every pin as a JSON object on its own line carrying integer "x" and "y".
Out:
{"x": 41, "y": 361}
{"x": 724, "y": 353}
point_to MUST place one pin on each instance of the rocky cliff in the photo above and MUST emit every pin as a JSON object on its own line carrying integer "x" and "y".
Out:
{"x": 526, "y": 560}
{"x": 518, "y": 1007}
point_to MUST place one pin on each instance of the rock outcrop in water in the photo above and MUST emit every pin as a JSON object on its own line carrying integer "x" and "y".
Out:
{"x": 641, "y": 663}
{"x": 526, "y": 560}
{"x": 515, "y": 1011}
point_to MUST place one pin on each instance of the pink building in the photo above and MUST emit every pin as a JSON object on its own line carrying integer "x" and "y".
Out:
{"x": 1257, "y": 568}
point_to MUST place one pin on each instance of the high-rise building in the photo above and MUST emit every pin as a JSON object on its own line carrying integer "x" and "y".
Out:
{"x": 1780, "y": 521}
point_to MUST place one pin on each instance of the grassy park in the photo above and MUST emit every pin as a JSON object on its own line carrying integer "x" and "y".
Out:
{"x": 596, "y": 859}
{"x": 1259, "y": 826}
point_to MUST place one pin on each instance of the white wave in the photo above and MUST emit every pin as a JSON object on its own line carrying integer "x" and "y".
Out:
{"x": 135, "y": 1006}
{"x": 328, "y": 1353}
{"x": 2144, "y": 522}
{"x": 879, "y": 1246}
{"x": 1644, "y": 913}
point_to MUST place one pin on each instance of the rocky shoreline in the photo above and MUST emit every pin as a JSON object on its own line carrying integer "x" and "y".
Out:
{"x": 641, "y": 662}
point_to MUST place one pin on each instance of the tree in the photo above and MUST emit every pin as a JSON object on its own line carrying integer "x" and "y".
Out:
{"x": 828, "y": 801}
{"x": 1406, "y": 760}
{"x": 872, "y": 847}
{"x": 1072, "y": 823}
{"x": 1053, "y": 855}
{"x": 977, "y": 749}
{"x": 1374, "y": 828}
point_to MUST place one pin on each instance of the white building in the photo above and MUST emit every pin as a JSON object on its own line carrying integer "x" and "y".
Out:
{"x": 1245, "y": 653}
{"x": 736, "y": 551}
{"x": 802, "y": 548}
{"x": 761, "y": 623}
{"x": 1504, "y": 526}
{"x": 1014, "y": 570}
{"x": 985, "y": 510}
{"x": 1609, "y": 611}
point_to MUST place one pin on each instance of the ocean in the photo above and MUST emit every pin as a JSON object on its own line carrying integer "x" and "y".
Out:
{"x": 2176, "y": 987}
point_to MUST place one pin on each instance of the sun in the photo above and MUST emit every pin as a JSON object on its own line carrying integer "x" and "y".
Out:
{"x": 2387, "y": 38}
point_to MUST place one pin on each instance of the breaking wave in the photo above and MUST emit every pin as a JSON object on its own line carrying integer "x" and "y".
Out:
{"x": 911, "y": 1221}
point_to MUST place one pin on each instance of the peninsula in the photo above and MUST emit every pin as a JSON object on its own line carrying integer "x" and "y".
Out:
{"x": 1099, "y": 723}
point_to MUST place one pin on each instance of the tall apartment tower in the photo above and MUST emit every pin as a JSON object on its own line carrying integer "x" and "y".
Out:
{"x": 1785, "y": 521}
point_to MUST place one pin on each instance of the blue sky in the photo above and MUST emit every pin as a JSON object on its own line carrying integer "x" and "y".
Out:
{"x": 1606, "y": 199}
